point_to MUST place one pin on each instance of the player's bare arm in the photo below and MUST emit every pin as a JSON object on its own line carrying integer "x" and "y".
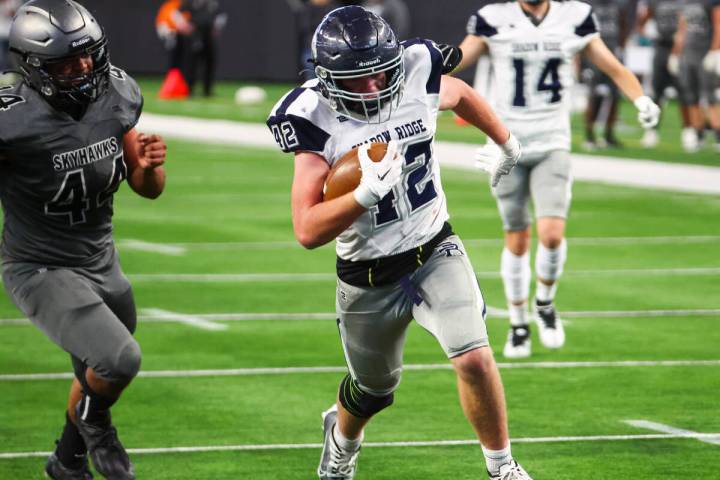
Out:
{"x": 473, "y": 47}
{"x": 599, "y": 54}
{"x": 715, "y": 45}
{"x": 461, "y": 98}
{"x": 316, "y": 222}
{"x": 145, "y": 157}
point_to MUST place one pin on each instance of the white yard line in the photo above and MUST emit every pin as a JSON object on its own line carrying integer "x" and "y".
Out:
{"x": 616, "y": 171}
{"x": 161, "y": 248}
{"x": 426, "y": 443}
{"x": 282, "y": 244}
{"x": 147, "y": 316}
{"x": 244, "y": 372}
{"x": 323, "y": 277}
{"x": 713, "y": 439}
{"x": 192, "y": 320}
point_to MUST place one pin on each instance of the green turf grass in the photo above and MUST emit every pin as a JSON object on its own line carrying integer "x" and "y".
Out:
{"x": 222, "y": 106}
{"x": 227, "y": 194}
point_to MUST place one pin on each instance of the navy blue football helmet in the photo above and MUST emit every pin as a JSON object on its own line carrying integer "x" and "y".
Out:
{"x": 350, "y": 43}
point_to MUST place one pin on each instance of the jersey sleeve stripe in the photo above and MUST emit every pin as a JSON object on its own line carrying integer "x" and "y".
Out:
{"x": 289, "y": 99}
{"x": 477, "y": 25}
{"x": 588, "y": 26}
{"x": 436, "y": 60}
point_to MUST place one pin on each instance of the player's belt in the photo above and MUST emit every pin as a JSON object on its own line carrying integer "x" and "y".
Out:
{"x": 386, "y": 270}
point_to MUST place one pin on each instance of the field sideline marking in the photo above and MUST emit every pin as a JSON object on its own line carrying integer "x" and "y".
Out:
{"x": 143, "y": 246}
{"x": 182, "y": 247}
{"x": 191, "y": 320}
{"x": 146, "y": 317}
{"x": 243, "y": 372}
{"x": 429, "y": 443}
{"x": 667, "y": 429}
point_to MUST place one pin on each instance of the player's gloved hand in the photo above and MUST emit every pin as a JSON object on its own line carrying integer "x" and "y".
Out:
{"x": 711, "y": 62}
{"x": 498, "y": 160}
{"x": 378, "y": 178}
{"x": 648, "y": 111}
{"x": 673, "y": 65}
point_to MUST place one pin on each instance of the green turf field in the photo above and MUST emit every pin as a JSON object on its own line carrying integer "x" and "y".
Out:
{"x": 225, "y": 216}
{"x": 628, "y": 130}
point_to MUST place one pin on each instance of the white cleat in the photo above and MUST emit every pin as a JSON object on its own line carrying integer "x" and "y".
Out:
{"x": 552, "y": 333}
{"x": 689, "y": 139}
{"x": 518, "y": 343}
{"x": 336, "y": 463}
{"x": 650, "y": 139}
{"x": 510, "y": 471}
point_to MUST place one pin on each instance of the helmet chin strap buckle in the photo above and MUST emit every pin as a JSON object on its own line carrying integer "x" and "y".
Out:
{"x": 47, "y": 90}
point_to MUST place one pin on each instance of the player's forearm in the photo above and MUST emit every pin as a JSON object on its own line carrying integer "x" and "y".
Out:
{"x": 148, "y": 183}
{"x": 627, "y": 82}
{"x": 324, "y": 221}
{"x": 472, "y": 108}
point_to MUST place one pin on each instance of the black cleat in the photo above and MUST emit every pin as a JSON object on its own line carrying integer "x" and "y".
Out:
{"x": 107, "y": 453}
{"x": 57, "y": 471}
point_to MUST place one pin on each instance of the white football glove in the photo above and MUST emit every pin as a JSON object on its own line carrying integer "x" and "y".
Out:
{"x": 498, "y": 160}
{"x": 673, "y": 65}
{"x": 711, "y": 62}
{"x": 648, "y": 111}
{"x": 378, "y": 178}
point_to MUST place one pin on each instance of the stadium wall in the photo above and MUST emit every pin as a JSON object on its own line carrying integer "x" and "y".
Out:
{"x": 259, "y": 42}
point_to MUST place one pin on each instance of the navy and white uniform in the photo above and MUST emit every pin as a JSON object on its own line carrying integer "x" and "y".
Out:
{"x": 534, "y": 64}
{"x": 400, "y": 259}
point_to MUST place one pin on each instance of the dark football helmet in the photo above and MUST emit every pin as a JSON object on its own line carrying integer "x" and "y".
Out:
{"x": 352, "y": 43}
{"x": 46, "y": 33}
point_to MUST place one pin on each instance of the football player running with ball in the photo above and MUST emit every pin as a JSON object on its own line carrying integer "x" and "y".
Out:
{"x": 532, "y": 44}
{"x": 397, "y": 256}
{"x": 67, "y": 141}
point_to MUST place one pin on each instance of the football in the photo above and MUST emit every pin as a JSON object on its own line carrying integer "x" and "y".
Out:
{"x": 345, "y": 174}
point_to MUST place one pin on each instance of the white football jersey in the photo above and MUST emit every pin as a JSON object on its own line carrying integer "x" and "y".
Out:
{"x": 533, "y": 68}
{"x": 415, "y": 210}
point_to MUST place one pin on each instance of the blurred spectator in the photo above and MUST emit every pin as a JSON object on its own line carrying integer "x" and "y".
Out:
{"x": 7, "y": 12}
{"x": 172, "y": 27}
{"x": 664, "y": 14}
{"x": 612, "y": 17}
{"x": 207, "y": 22}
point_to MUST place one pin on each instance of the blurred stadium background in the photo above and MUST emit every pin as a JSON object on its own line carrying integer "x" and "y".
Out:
{"x": 240, "y": 348}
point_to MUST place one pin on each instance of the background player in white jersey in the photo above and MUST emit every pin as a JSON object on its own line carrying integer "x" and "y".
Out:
{"x": 532, "y": 45}
{"x": 398, "y": 258}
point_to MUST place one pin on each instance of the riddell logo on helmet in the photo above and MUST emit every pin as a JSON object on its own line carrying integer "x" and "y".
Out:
{"x": 81, "y": 42}
{"x": 368, "y": 63}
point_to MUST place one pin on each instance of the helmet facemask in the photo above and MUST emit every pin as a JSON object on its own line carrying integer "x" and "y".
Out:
{"x": 81, "y": 89}
{"x": 371, "y": 107}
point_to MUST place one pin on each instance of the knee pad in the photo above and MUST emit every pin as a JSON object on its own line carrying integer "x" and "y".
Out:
{"x": 360, "y": 403}
{"x": 549, "y": 262}
{"x": 515, "y": 271}
{"x": 126, "y": 364}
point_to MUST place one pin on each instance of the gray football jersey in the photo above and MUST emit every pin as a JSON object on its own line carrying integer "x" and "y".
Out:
{"x": 610, "y": 14}
{"x": 697, "y": 14}
{"x": 58, "y": 175}
{"x": 665, "y": 13}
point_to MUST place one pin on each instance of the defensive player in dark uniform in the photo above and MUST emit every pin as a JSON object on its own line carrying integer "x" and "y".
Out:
{"x": 67, "y": 141}
{"x": 612, "y": 17}
{"x": 695, "y": 57}
{"x": 665, "y": 13}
